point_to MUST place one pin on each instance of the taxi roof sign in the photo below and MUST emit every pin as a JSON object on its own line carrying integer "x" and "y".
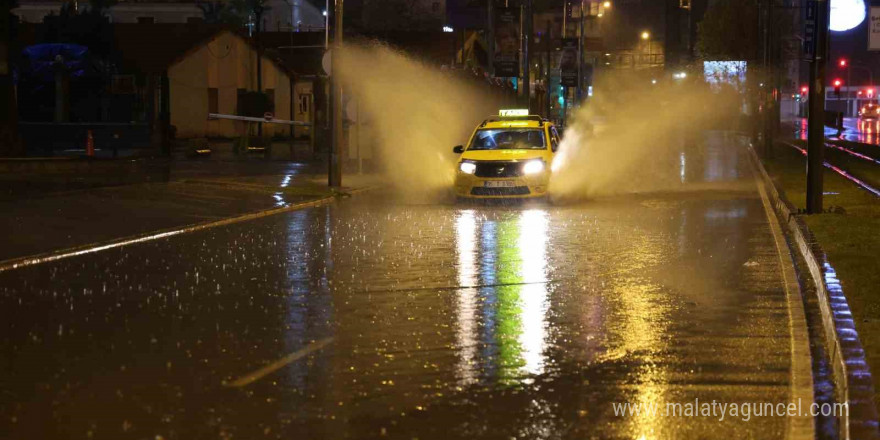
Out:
{"x": 513, "y": 112}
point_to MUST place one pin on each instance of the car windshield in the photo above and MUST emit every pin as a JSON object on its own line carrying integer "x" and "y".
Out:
{"x": 509, "y": 139}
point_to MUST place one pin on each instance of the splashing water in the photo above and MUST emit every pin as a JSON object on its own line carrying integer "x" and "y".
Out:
{"x": 415, "y": 114}
{"x": 629, "y": 140}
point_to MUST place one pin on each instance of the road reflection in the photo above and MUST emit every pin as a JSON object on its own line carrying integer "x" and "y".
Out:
{"x": 505, "y": 283}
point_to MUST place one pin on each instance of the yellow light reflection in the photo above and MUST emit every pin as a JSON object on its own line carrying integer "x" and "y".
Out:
{"x": 642, "y": 327}
{"x": 532, "y": 243}
{"x": 466, "y": 334}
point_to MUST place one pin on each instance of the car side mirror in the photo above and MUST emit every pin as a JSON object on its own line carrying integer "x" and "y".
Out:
{"x": 458, "y": 149}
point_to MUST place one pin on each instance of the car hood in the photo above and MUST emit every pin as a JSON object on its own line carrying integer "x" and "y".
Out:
{"x": 511, "y": 155}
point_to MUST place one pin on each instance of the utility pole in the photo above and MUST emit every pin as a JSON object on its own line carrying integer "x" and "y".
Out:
{"x": 547, "y": 70}
{"x": 334, "y": 174}
{"x": 580, "y": 59}
{"x": 9, "y": 142}
{"x": 258, "y": 13}
{"x": 816, "y": 123}
{"x": 490, "y": 15}
{"x": 527, "y": 42}
{"x": 769, "y": 86}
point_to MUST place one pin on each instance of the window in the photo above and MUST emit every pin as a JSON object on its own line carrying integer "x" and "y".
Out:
{"x": 213, "y": 101}
{"x": 270, "y": 93}
{"x": 509, "y": 139}
{"x": 239, "y": 98}
{"x": 304, "y": 101}
{"x": 146, "y": 20}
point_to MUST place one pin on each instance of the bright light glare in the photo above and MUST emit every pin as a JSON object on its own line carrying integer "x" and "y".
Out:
{"x": 468, "y": 167}
{"x": 606, "y": 4}
{"x": 532, "y": 167}
{"x": 646, "y": 35}
{"x": 448, "y": 29}
{"x": 846, "y": 14}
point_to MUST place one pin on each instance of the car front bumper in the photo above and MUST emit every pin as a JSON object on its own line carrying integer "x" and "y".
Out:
{"x": 520, "y": 187}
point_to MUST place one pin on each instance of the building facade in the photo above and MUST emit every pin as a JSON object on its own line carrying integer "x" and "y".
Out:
{"x": 280, "y": 15}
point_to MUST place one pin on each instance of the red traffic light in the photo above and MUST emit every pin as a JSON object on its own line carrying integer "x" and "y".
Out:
{"x": 842, "y": 62}
{"x": 804, "y": 90}
{"x": 837, "y": 83}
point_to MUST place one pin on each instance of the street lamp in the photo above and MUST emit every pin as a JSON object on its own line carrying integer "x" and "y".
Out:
{"x": 606, "y": 5}
{"x": 647, "y": 37}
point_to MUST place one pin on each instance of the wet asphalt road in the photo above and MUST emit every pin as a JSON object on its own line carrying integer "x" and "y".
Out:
{"x": 854, "y": 130}
{"x": 440, "y": 321}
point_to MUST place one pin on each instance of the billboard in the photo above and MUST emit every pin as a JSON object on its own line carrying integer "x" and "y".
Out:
{"x": 507, "y": 42}
{"x": 568, "y": 63}
{"x": 725, "y": 72}
{"x": 874, "y": 29}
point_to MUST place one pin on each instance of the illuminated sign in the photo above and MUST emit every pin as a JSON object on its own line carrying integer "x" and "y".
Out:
{"x": 513, "y": 112}
{"x": 846, "y": 14}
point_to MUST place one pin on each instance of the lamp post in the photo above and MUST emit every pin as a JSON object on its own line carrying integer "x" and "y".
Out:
{"x": 646, "y": 36}
{"x": 334, "y": 174}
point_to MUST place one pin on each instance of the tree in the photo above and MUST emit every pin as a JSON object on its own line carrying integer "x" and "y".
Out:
{"x": 212, "y": 11}
{"x": 388, "y": 15}
{"x": 238, "y": 13}
{"x": 729, "y": 31}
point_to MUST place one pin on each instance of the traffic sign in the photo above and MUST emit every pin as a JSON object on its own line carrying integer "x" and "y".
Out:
{"x": 874, "y": 29}
{"x": 810, "y": 27}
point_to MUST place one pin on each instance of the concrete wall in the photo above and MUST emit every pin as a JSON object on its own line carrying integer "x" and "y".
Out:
{"x": 228, "y": 64}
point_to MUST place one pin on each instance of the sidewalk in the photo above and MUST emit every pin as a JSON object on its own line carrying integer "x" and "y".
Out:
{"x": 36, "y": 222}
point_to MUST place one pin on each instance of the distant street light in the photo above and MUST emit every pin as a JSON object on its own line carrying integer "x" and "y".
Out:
{"x": 646, "y": 35}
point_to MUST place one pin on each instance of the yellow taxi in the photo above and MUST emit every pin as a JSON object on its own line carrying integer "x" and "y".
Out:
{"x": 508, "y": 156}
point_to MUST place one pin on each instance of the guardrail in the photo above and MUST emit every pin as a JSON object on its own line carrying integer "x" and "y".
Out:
{"x": 215, "y": 116}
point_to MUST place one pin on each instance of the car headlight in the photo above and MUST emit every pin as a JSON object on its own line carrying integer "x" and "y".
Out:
{"x": 533, "y": 167}
{"x": 467, "y": 167}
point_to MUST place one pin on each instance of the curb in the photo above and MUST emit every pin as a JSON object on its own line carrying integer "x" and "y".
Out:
{"x": 800, "y": 426}
{"x": 31, "y": 260}
{"x": 849, "y": 369}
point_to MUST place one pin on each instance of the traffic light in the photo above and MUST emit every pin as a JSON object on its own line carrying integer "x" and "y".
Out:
{"x": 837, "y": 84}
{"x": 842, "y": 62}
{"x": 804, "y": 90}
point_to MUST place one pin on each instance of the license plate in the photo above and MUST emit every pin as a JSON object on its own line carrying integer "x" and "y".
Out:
{"x": 499, "y": 184}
